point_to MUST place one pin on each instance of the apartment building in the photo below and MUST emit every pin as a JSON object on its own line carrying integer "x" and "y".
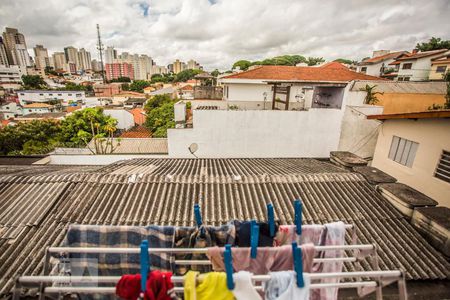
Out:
{"x": 116, "y": 70}
{"x": 16, "y": 48}
{"x": 63, "y": 98}
{"x": 41, "y": 58}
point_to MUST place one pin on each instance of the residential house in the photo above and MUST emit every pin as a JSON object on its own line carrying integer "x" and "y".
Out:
{"x": 137, "y": 132}
{"x": 404, "y": 96}
{"x": 149, "y": 89}
{"x": 279, "y": 111}
{"x": 415, "y": 149}
{"x": 119, "y": 99}
{"x": 186, "y": 92}
{"x": 64, "y": 98}
{"x": 133, "y": 102}
{"x": 10, "y": 110}
{"x": 37, "y": 108}
{"x": 107, "y": 90}
{"x": 41, "y": 116}
{"x": 416, "y": 66}
{"x": 439, "y": 67}
{"x": 377, "y": 65}
{"x": 138, "y": 115}
{"x": 125, "y": 119}
{"x": 11, "y": 76}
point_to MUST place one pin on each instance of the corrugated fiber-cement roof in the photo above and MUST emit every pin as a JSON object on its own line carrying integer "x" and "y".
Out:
{"x": 35, "y": 209}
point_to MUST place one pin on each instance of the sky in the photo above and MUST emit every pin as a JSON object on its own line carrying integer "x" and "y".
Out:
{"x": 216, "y": 33}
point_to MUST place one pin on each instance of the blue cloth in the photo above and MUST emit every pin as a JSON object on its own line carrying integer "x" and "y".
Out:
{"x": 117, "y": 237}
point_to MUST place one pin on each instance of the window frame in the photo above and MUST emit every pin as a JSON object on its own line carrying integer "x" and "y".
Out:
{"x": 403, "y": 151}
{"x": 407, "y": 64}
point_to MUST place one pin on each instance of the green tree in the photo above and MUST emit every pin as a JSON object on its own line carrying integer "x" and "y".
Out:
{"x": 215, "y": 73}
{"x": 82, "y": 126}
{"x": 433, "y": 44}
{"x": 242, "y": 65}
{"x": 33, "y": 82}
{"x": 160, "y": 119}
{"x": 371, "y": 96}
{"x": 345, "y": 61}
{"x": 70, "y": 86}
{"x": 35, "y": 137}
{"x": 139, "y": 85}
{"x": 121, "y": 79}
{"x": 156, "y": 101}
{"x": 186, "y": 75}
{"x": 312, "y": 61}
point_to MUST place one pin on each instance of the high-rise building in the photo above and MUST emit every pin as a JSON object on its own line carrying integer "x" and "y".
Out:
{"x": 110, "y": 55}
{"x": 145, "y": 67}
{"x": 159, "y": 70}
{"x": 41, "y": 57}
{"x": 84, "y": 60}
{"x": 177, "y": 66}
{"x": 96, "y": 65}
{"x": 59, "y": 60}
{"x": 192, "y": 64}
{"x": 71, "y": 54}
{"x": 3, "y": 56}
{"x": 16, "y": 48}
{"x": 116, "y": 70}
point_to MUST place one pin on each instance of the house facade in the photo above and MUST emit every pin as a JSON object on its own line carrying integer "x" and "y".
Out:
{"x": 278, "y": 111}
{"x": 415, "y": 149}
{"x": 416, "y": 66}
{"x": 37, "y": 108}
{"x": 65, "y": 98}
{"x": 378, "y": 64}
{"x": 439, "y": 67}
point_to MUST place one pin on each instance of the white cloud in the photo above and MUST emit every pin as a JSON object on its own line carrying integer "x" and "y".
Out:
{"x": 217, "y": 33}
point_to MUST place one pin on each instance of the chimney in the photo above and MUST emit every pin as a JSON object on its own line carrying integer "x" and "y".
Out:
{"x": 414, "y": 51}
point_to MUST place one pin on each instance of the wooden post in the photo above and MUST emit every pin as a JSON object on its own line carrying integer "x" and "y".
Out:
{"x": 274, "y": 95}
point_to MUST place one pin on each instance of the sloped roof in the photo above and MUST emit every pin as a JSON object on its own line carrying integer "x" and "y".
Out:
{"x": 163, "y": 191}
{"x": 330, "y": 72}
{"x": 37, "y": 105}
{"x": 404, "y": 87}
{"x": 137, "y": 145}
{"x": 422, "y": 54}
{"x": 187, "y": 87}
{"x": 381, "y": 58}
{"x": 137, "y": 132}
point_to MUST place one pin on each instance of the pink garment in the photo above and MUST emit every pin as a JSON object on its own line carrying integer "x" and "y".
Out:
{"x": 267, "y": 259}
{"x": 333, "y": 234}
{"x": 286, "y": 235}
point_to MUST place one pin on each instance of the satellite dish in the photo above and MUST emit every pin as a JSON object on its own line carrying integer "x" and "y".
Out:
{"x": 193, "y": 148}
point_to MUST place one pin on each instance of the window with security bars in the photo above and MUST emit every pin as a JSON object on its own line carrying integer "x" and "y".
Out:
{"x": 403, "y": 151}
{"x": 443, "y": 167}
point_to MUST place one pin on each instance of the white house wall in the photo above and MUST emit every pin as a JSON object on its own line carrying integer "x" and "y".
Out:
{"x": 125, "y": 119}
{"x": 256, "y": 133}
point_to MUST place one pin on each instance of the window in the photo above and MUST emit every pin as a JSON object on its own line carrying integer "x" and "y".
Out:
{"x": 363, "y": 69}
{"x": 69, "y": 94}
{"x": 22, "y": 94}
{"x": 78, "y": 95}
{"x": 403, "y": 151}
{"x": 41, "y": 94}
{"x": 441, "y": 69}
{"x": 59, "y": 94}
{"x": 406, "y": 79}
{"x": 407, "y": 66}
{"x": 400, "y": 79}
{"x": 50, "y": 94}
{"x": 443, "y": 167}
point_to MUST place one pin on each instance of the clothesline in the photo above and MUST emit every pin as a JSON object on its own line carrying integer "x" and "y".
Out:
{"x": 136, "y": 250}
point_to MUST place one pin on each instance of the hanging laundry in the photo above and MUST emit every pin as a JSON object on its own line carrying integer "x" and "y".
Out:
{"x": 212, "y": 286}
{"x": 159, "y": 286}
{"x": 201, "y": 237}
{"x": 267, "y": 259}
{"x": 243, "y": 230}
{"x": 333, "y": 234}
{"x": 120, "y": 237}
{"x": 243, "y": 287}
{"x": 287, "y": 234}
{"x": 283, "y": 286}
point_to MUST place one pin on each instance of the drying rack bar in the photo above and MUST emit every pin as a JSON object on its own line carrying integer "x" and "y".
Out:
{"x": 136, "y": 250}
{"x": 315, "y": 260}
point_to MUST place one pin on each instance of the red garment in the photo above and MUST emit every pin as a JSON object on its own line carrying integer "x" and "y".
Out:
{"x": 158, "y": 287}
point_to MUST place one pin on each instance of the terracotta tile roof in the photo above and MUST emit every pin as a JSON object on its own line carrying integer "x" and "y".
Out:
{"x": 440, "y": 61}
{"x": 130, "y": 94}
{"x": 422, "y": 54}
{"x": 187, "y": 88}
{"x": 5, "y": 122}
{"x": 166, "y": 190}
{"x": 38, "y": 105}
{"x": 138, "y": 132}
{"x": 431, "y": 114}
{"x": 138, "y": 115}
{"x": 72, "y": 108}
{"x": 381, "y": 58}
{"x": 330, "y": 72}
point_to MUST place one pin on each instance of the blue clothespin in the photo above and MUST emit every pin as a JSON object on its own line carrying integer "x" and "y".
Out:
{"x": 298, "y": 264}
{"x": 298, "y": 216}
{"x": 145, "y": 264}
{"x": 254, "y": 238}
{"x": 198, "y": 216}
{"x": 228, "y": 261}
{"x": 271, "y": 219}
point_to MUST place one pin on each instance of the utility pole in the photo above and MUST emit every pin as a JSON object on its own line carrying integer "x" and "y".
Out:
{"x": 100, "y": 50}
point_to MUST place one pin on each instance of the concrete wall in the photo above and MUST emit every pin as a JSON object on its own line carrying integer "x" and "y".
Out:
{"x": 404, "y": 103}
{"x": 95, "y": 159}
{"x": 433, "y": 136}
{"x": 359, "y": 135}
{"x": 125, "y": 119}
{"x": 258, "y": 133}
{"x": 438, "y": 76}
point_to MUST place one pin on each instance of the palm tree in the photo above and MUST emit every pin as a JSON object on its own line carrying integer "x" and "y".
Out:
{"x": 371, "y": 97}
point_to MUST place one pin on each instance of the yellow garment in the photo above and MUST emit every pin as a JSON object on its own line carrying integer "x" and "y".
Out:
{"x": 213, "y": 286}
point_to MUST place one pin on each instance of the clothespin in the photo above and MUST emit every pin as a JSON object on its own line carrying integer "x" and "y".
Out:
{"x": 271, "y": 219}
{"x": 298, "y": 216}
{"x": 145, "y": 265}
{"x": 254, "y": 238}
{"x": 198, "y": 216}
{"x": 228, "y": 261}
{"x": 298, "y": 264}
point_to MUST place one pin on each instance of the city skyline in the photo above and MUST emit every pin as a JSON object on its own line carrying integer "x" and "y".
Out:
{"x": 211, "y": 32}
